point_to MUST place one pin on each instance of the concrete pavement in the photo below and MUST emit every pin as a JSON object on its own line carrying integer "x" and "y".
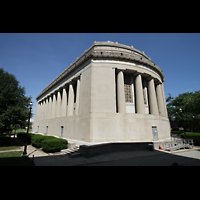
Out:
{"x": 185, "y": 157}
{"x": 189, "y": 157}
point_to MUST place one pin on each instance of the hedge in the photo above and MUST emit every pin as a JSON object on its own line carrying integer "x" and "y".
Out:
{"x": 6, "y": 141}
{"x": 22, "y": 136}
{"x": 37, "y": 139}
{"x": 192, "y": 135}
{"x": 53, "y": 145}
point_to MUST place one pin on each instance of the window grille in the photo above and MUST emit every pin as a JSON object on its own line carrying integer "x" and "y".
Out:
{"x": 127, "y": 88}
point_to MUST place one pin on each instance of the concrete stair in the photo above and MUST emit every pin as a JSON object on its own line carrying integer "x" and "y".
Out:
{"x": 73, "y": 152}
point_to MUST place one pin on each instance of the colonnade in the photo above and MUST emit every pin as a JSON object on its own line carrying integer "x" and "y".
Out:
{"x": 61, "y": 103}
{"x": 156, "y": 97}
{"x": 65, "y": 101}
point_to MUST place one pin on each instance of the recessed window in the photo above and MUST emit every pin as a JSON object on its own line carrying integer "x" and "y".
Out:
{"x": 127, "y": 88}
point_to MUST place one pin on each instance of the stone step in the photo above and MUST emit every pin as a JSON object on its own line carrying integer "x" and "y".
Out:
{"x": 70, "y": 151}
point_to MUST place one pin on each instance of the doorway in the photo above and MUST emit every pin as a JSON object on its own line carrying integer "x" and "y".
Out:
{"x": 155, "y": 132}
{"x": 61, "y": 132}
{"x": 46, "y": 129}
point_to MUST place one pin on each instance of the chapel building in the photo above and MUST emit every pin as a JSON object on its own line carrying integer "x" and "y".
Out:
{"x": 111, "y": 93}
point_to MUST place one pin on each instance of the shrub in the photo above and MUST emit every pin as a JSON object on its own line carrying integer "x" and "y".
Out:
{"x": 192, "y": 135}
{"x": 175, "y": 129}
{"x": 54, "y": 145}
{"x": 6, "y": 141}
{"x": 36, "y": 140}
{"x": 22, "y": 136}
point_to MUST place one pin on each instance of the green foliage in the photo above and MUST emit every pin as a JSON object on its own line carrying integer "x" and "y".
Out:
{"x": 22, "y": 136}
{"x": 192, "y": 135}
{"x": 36, "y": 140}
{"x": 189, "y": 102}
{"x": 14, "y": 158}
{"x": 6, "y": 141}
{"x": 48, "y": 143}
{"x": 13, "y": 103}
{"x": 54, "y": 145}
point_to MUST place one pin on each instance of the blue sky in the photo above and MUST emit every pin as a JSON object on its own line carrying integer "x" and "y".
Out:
{"x": 37, "y": 58}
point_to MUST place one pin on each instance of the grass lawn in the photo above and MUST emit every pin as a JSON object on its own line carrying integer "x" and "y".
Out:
{"x": 8, "y": 148}
{"x": 14, "y": 158}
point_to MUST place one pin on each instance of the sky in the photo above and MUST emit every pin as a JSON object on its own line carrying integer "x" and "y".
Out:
{"x": 36, "y": 59}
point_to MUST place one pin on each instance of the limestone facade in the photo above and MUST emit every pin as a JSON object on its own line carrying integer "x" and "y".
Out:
{"x": 111, "y": 93}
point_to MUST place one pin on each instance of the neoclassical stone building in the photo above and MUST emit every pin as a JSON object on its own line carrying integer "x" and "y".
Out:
{"x": 111, "y": 93}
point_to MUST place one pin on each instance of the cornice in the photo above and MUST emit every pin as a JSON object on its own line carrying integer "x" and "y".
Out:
{"x": 106, "y": 50}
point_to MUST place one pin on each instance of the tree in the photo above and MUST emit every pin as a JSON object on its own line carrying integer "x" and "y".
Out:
{"x": 189, "y": 102}
{"x": 13, "y": 103}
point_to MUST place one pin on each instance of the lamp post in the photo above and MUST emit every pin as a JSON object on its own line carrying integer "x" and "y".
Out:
{"x": 181, "y": 111}
{"x": 25, "y": 147}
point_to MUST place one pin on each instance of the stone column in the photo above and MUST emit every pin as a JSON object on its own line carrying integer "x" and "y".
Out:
{"x": 77, "y": 96}
{"x": 58, "y": 104}
{"x": 146, "y": 97}
{"x": 45, "y": 107}
{"x": 160, "y": 100}
{"x": 139, "y": 95}
{"x": 38, "y": 112}
{"x": 42, "y": 110}
{"x": 152, "y": 98}
{"x": 70, "y": 109}
{"x": 120, "y": 93}
{"x": 49, "y": 107}
{"x": 64, "y": 103}
{"x": 164, "y": 101}
{"x": 53, "y": 114}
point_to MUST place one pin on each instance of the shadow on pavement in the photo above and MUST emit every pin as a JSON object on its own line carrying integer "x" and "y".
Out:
{"x": 124, "y": 158}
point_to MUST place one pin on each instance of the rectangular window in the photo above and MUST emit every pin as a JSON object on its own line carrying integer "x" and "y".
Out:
{"x": 127, "y": 88}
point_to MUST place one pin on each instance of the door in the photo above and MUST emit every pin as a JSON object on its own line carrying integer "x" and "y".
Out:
{"x": 61, "y": 133}
{"x": 46, "y": 129}
{"x": 155, "y": 132}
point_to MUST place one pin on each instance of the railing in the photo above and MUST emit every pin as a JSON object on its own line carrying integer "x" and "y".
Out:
{"x": 177, "y": 143}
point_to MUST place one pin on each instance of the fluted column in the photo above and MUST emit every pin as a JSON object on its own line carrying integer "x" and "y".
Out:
{"x": 152, "y": 98}
{"x": 53, "y": 106}
{"x": 64, "y": 103}
{"x": 160, "y": 100}
{"x": 58, "y": 104}
{"x": 77, "y": 96}
{"x": 70, "y": 109}
{"x": 139, "y": 95}
{"x": 120, "y": 93}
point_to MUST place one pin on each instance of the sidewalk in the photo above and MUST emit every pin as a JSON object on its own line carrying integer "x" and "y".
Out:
{"x": 30, "y": 149}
